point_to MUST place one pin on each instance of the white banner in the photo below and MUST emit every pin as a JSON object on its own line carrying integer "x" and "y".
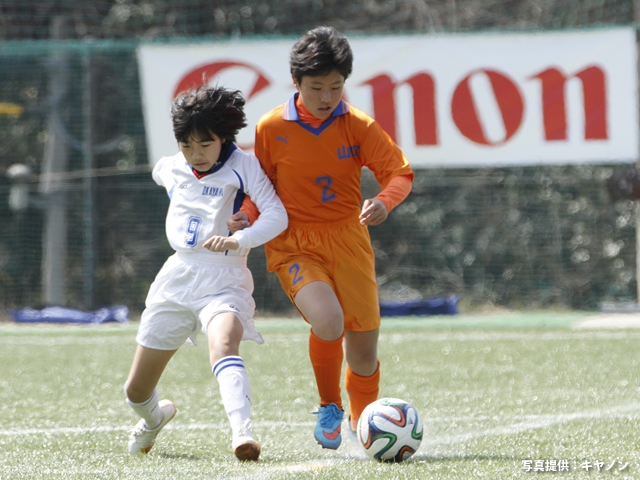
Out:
{"x": 474, "y": 100}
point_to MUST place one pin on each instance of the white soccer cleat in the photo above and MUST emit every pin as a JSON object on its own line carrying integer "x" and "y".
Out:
{"x": 142, "y": 438}
{"x": 246, "y": 448}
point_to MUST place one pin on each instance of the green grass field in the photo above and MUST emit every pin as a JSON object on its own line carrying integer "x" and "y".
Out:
{"x": 493, "y": 391}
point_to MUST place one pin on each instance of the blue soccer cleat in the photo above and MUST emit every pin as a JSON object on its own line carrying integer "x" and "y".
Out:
{"x": 327, "y": 431}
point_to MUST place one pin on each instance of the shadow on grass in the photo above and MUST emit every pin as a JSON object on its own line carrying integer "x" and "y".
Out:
{"x": 181, "y": 456}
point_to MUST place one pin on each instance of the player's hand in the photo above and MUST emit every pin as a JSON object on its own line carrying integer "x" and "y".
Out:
{"x": 238, "y": 221}
{"x": 373, "y": 212}
{"x": 218, "y": 243}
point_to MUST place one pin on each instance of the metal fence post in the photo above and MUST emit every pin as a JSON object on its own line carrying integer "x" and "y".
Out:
{"x": 52, "y": 184}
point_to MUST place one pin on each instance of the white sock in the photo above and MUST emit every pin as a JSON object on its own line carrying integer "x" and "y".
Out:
{"x": 149, "y": 410}
{"x": 235, "y": 392}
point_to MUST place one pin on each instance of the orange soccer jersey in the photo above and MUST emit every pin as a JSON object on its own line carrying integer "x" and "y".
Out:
{"x": 322, "y": 166}
{"x": 316, "y": 172}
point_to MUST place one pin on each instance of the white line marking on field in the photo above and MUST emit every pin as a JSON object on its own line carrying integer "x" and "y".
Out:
{"x": 609, "y": 321}
{"x": 536, "y": 422}
{"x": 533, "y": 335}
{"x": 173, "y": 426}
{"x": 66, "y": 340}
{"x": 519, "y": 424}
{"x": 583, "y": 329}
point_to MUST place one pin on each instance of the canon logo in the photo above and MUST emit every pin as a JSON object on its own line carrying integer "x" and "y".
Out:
{"x": 453, "y": 101}
{"x": 464, "y": 112}
{"x": 509, "y": 100}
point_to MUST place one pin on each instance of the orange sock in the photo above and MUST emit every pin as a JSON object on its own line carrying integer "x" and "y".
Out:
{"x": 326, "y": 358}
{"x": 362, "y": 391}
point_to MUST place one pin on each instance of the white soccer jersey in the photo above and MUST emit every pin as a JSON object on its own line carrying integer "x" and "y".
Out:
{"x": 200, "y": 207}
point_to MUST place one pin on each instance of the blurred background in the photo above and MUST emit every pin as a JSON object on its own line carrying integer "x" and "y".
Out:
{"x": 76, "y": 193}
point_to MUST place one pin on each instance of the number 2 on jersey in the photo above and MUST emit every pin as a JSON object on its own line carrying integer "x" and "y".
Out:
{"x": 295, "y": 270}
{"x": 326, "y": 181}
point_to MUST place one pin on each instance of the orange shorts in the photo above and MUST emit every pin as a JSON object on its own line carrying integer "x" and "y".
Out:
{"x": 338, "y": 253}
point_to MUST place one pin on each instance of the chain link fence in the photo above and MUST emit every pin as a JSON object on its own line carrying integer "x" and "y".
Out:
{"x": 527, "y": 237}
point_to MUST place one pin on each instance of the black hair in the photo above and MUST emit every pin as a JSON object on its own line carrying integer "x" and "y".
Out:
{"x": 319, "y": 52}
{"x": 206, "y": 110}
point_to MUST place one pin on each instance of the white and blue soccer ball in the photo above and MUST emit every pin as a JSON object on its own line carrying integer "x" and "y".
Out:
{"x": 390, "y": 430}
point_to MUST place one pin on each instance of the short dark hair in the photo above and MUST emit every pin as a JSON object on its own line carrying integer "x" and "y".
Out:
{"x": 205, "y": 110}
{"x": 319, "y": 52}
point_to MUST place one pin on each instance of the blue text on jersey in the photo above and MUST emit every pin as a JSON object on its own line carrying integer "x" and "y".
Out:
{"x": 212, "y": 191}
{"x": 345, "y": 152}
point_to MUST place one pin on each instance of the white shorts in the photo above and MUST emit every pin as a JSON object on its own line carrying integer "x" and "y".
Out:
{"x": 187, "y": 293}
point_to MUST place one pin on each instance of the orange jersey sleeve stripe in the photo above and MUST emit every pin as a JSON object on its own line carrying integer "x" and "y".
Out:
{"x": 396, "y": 191}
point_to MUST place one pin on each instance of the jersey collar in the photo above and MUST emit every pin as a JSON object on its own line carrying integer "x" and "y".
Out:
{"x": 224, "y": 156}
{"x": 290, "y": 113}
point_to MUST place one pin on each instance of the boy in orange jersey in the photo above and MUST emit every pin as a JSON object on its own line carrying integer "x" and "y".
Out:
{"x": 313, "y": 149}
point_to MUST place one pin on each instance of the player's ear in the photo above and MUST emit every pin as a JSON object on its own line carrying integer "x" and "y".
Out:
{"x": 295, "y": 83}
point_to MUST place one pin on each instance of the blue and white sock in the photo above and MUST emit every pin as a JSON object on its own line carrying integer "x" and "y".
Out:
{"x": 235, "y": 392}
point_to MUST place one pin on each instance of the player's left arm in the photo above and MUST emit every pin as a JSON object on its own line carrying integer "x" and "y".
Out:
{"x": 245, "y": 217}
{"x": 376, "y": 210}
{"x": 392, "y": 170}
{"x": 249, "y": 212}
{"x": 272, "y": 219}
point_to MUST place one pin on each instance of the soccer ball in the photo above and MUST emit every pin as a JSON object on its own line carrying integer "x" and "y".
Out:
{"x": 390, "y": 430}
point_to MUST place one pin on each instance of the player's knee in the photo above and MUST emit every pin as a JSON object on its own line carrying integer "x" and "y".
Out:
{"x": 328, "y": 329}
{"x": 329, "y": 317}
{"x": 337, "y": 316}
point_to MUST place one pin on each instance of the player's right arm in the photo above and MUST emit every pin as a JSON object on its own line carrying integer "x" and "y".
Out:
{"x": 163, "y": 175}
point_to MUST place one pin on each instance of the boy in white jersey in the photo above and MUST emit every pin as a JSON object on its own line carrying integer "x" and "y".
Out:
{"x": 206, "y": 284}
